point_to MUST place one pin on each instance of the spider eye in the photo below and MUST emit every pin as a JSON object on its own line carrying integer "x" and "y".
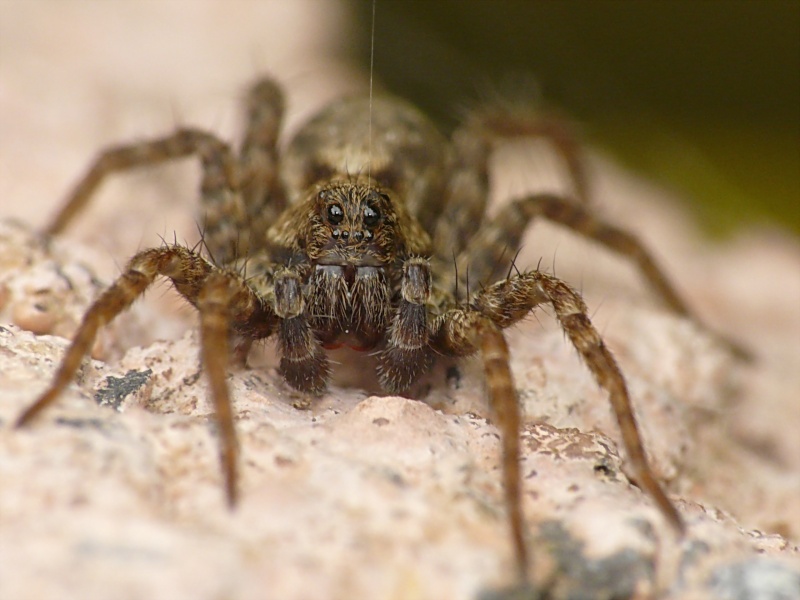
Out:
{"x": 371, "y": 216}
{"x": 335, "y": 214}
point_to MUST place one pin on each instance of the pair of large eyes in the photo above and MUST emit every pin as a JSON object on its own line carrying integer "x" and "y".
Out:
{"x": 370, "y": 215}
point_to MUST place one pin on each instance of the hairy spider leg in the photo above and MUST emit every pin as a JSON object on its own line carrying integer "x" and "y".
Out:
{"x": 408, "y": 354}
{"x": 467, "y": 192}
{"x": 259, "y": 160}
{"x": 223, "y": 300}
{"x": 223, "y": 205}
{"x": 468, "y": 329}
{"x": 304, "y": 364}
{"x": 509, "y": 122}
{"x": 240, "y": 195}
{"x": 507, "y": 227}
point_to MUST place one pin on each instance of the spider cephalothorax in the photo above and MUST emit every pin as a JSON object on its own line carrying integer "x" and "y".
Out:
{"x": 350, "y": 237}
{"x": 348, "y": 243}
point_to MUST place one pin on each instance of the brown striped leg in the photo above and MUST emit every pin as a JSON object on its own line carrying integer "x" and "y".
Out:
{"x": 508, "y": 226}
{"x": 304, "y": 364}
{"x": 258, "y": 155}
{"x": 408, "y": 354}
{"x": 466, "y": 195}
{"x": 503, "y": 396}
{"x": 461, "y": 332}
{"x": 464, "y": 331}
{"x": 558, "y": 131}
{"x": 213, "y": 303}
{"x": 223, "y": 208}
{"x": 506, "y": 230}
{"x": 223, "y": 299}
{"x": 468, "y": 187}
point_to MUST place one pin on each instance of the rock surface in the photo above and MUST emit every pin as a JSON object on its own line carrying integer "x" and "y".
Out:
{"x": 115, "y": 492}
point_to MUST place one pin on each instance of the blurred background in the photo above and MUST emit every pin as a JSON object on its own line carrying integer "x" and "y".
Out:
{"x": 701, "y": 96}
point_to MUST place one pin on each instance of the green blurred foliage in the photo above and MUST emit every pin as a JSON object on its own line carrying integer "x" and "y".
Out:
{"x": 703, "y": 95}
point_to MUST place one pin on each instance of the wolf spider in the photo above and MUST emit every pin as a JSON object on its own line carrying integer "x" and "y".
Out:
{"x": 348, "y": 237}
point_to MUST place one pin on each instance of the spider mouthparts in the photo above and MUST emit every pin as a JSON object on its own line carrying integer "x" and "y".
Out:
{"x": 349, "y": 272}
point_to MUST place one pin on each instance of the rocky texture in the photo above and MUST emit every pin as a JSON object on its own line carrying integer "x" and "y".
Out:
{"x": 118, "y": 486}
{"x": 116, "y": 491}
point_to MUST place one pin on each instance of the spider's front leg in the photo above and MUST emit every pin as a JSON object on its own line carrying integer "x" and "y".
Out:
{"x": 408, "y": 354}
{"x": 304, "y": 364}
{"x": 224, "y": 301}
{"x": 464, "y": 331}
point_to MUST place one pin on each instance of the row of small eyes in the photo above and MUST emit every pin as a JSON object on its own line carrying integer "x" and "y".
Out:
{"x": 370, "y": 215}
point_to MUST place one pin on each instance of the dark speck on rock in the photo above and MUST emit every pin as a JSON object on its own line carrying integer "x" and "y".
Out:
{"x": 119, "y": 388}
